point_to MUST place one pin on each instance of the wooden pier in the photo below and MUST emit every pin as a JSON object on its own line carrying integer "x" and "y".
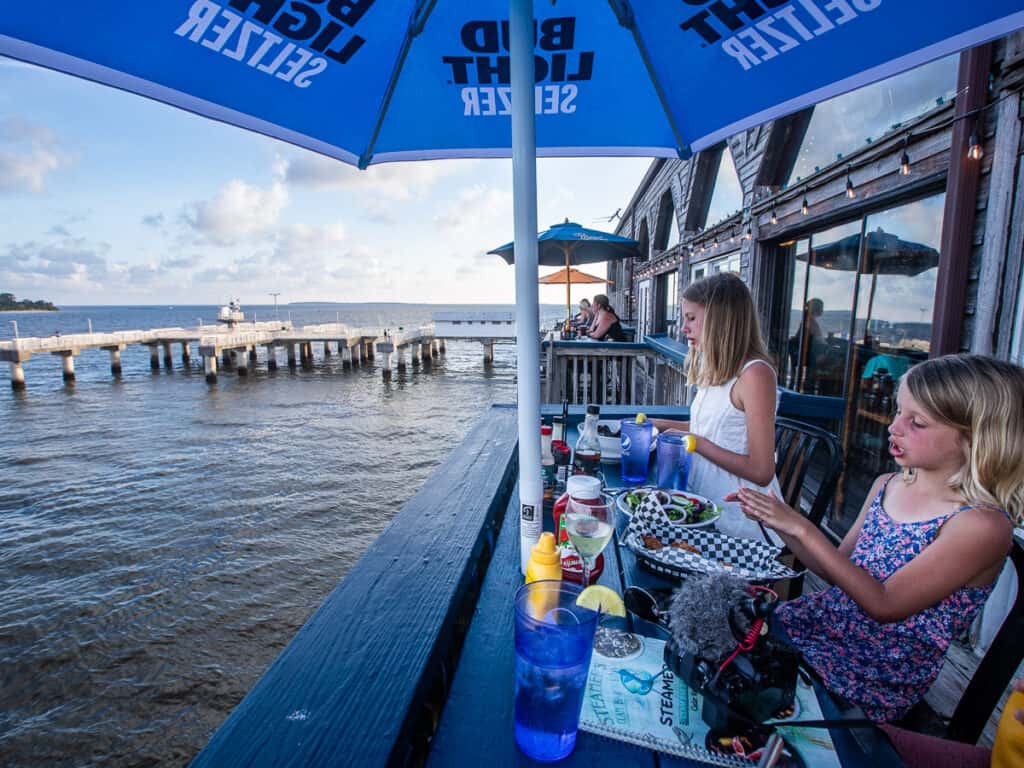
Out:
{"x": 235, "y": 345}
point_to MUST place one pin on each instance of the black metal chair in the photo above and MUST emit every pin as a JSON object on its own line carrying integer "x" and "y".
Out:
{"x": 996, "y": 669}
{"x": 798, "y": 446}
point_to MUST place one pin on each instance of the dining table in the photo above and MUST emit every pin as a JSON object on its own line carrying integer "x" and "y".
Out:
{"x": 475, "y": 727}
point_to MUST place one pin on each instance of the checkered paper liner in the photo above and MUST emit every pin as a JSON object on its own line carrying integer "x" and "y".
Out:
{"x": 750, "y": 559}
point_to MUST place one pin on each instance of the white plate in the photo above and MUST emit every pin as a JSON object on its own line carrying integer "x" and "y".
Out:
{"x": 620, "y": 502}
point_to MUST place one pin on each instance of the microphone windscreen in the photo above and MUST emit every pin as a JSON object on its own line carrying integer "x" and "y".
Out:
{"x": 699, "y": 613}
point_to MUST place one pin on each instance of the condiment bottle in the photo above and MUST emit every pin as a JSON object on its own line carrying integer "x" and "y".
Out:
{"x": 547, "y": 465}
{"x": 563, "y": 458}
{"x": 544, "y": 561}
{"x": 582, "y": 488}
{"x": 587, "y": 456}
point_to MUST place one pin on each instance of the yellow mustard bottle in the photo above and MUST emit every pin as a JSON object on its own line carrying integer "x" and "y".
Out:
{"x": 545, "y": 562}
{"x": 1008, "y": 750}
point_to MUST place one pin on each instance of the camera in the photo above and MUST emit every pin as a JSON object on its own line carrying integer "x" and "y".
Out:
{"x": 745, "y": 675}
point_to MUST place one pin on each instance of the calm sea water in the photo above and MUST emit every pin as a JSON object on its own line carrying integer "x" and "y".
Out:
{"x": 163, "y": 540}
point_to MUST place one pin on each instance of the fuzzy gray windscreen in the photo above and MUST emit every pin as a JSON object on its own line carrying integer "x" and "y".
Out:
{"x": 699, "y": 613}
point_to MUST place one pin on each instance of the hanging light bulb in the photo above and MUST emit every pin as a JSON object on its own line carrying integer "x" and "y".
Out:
{"x": 775, "y": 218}
{"x": 850, "y": 192}
{"x": 804, "y": 207}
{"x": 748, "y": 234}
{"x": 974, "y": 150}
{"x": 905, "y": 158}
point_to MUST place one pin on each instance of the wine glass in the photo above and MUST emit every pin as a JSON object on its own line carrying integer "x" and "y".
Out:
{"x": 589, "y": 525}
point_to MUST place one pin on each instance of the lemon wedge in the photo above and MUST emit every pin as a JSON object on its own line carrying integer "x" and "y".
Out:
{"x": 600, "y": 598}
{"x": 641, "y": 418}
{"x": 690, "y": 443}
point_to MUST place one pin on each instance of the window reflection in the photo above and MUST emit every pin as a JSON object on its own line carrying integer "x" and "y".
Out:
{"x": 727, "y": 197}
{"x": 843, "y": 124}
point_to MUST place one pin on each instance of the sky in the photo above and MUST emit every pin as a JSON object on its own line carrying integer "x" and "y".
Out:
{"x": 110, "y": 198}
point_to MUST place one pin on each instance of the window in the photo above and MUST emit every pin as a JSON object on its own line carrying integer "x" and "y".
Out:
{"x": 843, "y": 124}
{"x": 859, "y": 317}
{"x": 668, "y": 227}
{"x": 727, "y": 197}
{"x": 666, "y": 303}
{"x": 730, "y": 262}
{"x": 643, "y": 295}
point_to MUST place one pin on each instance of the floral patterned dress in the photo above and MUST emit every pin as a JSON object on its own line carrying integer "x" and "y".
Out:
{"x": 883, "y": 668}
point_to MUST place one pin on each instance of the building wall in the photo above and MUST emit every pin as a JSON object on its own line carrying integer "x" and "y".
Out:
{"x": 993, "y": 282}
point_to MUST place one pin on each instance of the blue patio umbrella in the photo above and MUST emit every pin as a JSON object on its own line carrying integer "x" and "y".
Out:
{"x": 369, "y": 81}
{"x": 569, "y": 244}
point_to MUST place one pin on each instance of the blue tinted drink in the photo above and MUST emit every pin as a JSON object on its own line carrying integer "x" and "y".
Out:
{"x": 554, "y": 641}
{"x": 636, "y": 449}
{"x": 673, "y": 462}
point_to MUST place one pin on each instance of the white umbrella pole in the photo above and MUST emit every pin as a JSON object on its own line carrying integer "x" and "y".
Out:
{"x": 524, "y": 196}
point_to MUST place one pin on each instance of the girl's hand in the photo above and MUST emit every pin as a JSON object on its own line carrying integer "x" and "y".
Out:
{"x": 770, "y": 511}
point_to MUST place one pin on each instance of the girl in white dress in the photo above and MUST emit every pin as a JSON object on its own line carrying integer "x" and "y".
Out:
{"x": 733, "y": 413}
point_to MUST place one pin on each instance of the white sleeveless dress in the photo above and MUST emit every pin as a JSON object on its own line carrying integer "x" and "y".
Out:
{"x": 714, "y": 417}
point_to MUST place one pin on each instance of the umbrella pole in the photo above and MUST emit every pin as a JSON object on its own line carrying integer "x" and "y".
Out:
{"x": 524, "y": 206}
{"x": 568, "y": 289}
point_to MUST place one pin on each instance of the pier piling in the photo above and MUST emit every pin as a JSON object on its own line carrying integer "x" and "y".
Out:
{"x": 115, "y": 359}
{"x": 346, "y": 354}
{"x": 210, "y": 368}
{"x": 154, "y": 357}
{"x": 17, "y": 375}
{"x": 252, "y": 355}
{"x": 401, "y": 358}
{"x": 168, "y": 361}
{"x": 186, "y": 354}
{"x": 271, "y": 357}
{"x": 327, "y": 349}
{"x": 242, "y": 365}
{"x": 291, "y": 356}
{"x": 443, "y": 350}
{"x": 489, "y": 352}
{"x": 68, "y": 365}
{"x": 368, "y": 347}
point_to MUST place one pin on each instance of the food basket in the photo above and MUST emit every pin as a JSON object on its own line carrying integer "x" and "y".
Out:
{"x": 714, "y": 552}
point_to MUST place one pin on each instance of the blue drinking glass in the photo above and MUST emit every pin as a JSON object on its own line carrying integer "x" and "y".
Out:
{"x": 636, "y": 449}
{"x": 673, "y": 463}
{"x": 554, "y": 641}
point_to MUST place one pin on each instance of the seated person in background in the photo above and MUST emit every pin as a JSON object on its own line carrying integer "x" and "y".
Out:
{"x": 925, "y": 551}
{"x": 920, "y": 751}
{"x": 606, "y": 325}
{"x": 582, "y": 319}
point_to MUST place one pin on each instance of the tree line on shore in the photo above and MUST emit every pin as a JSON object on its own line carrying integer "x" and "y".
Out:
{"x": 8, "y": 303}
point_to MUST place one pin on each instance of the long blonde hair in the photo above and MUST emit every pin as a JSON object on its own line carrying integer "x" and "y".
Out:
{"x": 983, "y": 399}
{"x": 732, "y": 333}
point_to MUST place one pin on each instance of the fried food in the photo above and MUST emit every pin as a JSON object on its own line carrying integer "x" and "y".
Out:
{"x": 684, "y": 545}
{"x": 652, "y": 542}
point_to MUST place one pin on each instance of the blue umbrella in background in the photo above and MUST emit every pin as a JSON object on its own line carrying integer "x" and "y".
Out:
{"x": 568, "y": 244}
{"x": 369, "y": 81}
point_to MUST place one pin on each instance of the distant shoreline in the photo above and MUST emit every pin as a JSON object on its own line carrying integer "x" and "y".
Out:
{"x": 26, "y": 311}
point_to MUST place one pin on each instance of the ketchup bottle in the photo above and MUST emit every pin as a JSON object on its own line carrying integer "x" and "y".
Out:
{"x": 581, "y": 488}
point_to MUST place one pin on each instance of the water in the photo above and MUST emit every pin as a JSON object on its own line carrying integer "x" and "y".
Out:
{"x": 163, "y": 540}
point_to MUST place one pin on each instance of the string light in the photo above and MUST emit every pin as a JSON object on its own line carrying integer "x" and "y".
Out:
{"x": 775, "y": 218}
{"x": 804, "y": 207}
{"x": 974, "y": 150}
{"x": 905, "y": 158}
{"x": 748, "y": 234}
{"x": 850, "y": 192}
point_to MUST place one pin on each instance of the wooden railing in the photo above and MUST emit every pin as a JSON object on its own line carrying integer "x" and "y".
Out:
{"x": 615, "y": 373}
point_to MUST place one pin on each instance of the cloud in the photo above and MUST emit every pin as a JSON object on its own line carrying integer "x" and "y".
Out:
{"x": 28, "y": 154}
{"x": 299, "y": 241}
{"x": 155, "y": 220}
{"x": 59, "y": 230}
{"x": 396, "y": 181}
{"x": 72, "y": 260}
{"x": 238, "y": 211}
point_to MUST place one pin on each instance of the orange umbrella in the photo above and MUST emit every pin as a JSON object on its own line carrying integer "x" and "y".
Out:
{"x": 570, "y": 276}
